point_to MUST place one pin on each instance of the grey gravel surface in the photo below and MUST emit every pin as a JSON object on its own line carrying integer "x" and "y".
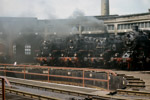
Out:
{"x": 10, "y": 96}
{"x": 56, "y": 86}
{"x": 143, "y": 75}
{"x": 48, "y": 93}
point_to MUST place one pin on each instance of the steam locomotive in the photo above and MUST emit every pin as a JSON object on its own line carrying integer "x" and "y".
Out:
{"x": 130, "y": 51}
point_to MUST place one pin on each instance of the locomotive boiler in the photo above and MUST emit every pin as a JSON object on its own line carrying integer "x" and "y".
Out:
{"x": 137, "y": 45}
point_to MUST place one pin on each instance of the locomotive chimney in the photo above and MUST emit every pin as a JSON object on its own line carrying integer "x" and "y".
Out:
{"x": 104, "y": 7}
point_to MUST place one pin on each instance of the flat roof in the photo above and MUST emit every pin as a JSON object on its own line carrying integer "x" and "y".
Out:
{"x": 121, "y": 16}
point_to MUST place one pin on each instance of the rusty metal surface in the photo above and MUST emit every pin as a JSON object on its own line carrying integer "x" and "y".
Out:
{"x": 24, "y": 72}
{"x": 6, "y": 80}
{"x": 3, "y": 89}
{"x": 3, "y": 80}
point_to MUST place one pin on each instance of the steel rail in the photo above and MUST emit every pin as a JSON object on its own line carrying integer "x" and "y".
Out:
{"x": 3, "y": 80}
{"x": 132, "y": 92}
{"x": 68, "y": 92}
{"x": 69, "y": 68}
{"x": 89, "y": 96}
{"x": 27, "y": 94}
{"x": 62, "y": 91}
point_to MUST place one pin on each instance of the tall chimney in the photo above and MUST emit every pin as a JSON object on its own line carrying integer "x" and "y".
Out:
{"x": 104, "y": 7}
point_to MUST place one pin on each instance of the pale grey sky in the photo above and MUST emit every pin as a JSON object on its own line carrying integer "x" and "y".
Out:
{"x": 48, "y": 9}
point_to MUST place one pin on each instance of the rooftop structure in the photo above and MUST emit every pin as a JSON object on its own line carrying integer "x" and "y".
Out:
{"x": 104, "y": 7}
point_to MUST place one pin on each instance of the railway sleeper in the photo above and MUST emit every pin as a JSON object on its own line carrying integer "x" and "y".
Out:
{"x": 136, "y": 83}
{"x": 133, "y": 93}
{"x": 135, "y": 86}
{"x": 128, "y": 76}
{"x": 121, "y": 75}
{"x": 133, "y": 79}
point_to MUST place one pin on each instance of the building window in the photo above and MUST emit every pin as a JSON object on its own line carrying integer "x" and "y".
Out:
{"x": 138, "y": 24}
{"x": 129, "y": 26}
{"x": 110, "y": 27}
{"x": 125, "y": 26}
{"x": 14, "y": 49}
{"x": 119, "y": 27}
{"x": 142, "y": 25}
{"x": 27, "y": 49}
{"x": 146, "y": 24}
{"x": 85, "y": 28}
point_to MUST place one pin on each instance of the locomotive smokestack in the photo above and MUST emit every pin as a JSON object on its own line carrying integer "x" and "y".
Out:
{"x": 104, "y": 7}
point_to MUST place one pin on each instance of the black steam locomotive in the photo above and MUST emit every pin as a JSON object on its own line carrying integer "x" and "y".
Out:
{"x": 130, "y": 51}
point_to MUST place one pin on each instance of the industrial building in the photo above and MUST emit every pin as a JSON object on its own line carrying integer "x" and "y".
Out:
{"x": 120, "y": 24}
{"x": 14, "y": 30}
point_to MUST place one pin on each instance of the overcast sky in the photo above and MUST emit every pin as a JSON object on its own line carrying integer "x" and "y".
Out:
{"x": 48, "y": 9}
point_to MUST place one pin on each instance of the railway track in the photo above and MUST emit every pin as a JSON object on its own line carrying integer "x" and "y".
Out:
{"x": 134, "y": 88}
{"x": 29, "y": 95}
{"x": 50, "y": 89}
{"x": 133, "y": 92}
{"x": 82, "y": 95}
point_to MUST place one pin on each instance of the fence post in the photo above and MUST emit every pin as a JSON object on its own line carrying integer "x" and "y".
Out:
{"x": 107, "y": 80}
{"x": 5, "y": 71}
{"x": 48, "y": 74}
{"x": 3, "y": 89}
{"x": 83, "y": 78}
{"x": 24, "y": 73}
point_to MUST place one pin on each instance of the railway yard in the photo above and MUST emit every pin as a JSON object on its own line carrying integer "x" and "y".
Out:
{"x": 86, "y": 65}
{"x": 80, "y": 57}
{"x": 137, "y": 86}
